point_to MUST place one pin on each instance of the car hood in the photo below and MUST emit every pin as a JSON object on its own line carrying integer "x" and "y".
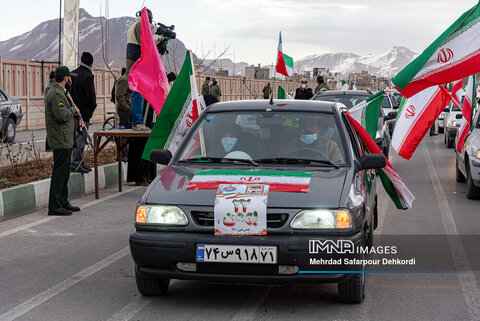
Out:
{"x": 170, "y": 187}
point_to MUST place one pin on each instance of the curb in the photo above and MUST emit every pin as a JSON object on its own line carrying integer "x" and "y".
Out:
{"x": 26, "y": 198}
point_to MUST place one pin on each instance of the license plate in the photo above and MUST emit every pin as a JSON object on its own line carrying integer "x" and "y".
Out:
{"x": 236, "y": 253}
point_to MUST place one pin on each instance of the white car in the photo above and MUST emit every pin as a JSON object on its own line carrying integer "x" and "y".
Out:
{"x": 452, "y": 121}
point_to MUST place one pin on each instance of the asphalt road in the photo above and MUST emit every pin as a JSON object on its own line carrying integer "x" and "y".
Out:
{"x": 79, "y": 267}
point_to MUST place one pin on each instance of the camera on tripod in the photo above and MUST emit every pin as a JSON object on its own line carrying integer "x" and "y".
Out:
{"x": 167, "y": 33}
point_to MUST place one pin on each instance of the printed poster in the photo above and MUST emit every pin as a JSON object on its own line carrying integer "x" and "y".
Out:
{"x": 241, "y": 209}
{"x": 70, "y": 34}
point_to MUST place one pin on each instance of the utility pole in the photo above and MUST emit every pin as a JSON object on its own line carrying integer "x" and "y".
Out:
{"x": 60, "y": 34}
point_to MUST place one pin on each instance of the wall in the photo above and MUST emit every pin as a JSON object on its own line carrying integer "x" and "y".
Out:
{"x": 26, "y": 81}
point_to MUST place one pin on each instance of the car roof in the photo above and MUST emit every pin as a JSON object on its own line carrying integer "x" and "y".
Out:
{"x": 344, "y": 92}
{"x": 278, "y": 105}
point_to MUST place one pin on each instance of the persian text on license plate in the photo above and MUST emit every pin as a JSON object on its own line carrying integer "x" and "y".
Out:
{"x": 236, "y": 253}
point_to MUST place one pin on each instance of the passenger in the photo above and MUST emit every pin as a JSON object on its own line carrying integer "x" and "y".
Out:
{"x": 230, "y": 138}
{"x": 311, "y": 141}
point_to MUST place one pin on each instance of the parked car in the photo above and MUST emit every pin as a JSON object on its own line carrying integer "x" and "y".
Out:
{"x": 468, "y": 161}
{"x": 10, "y": 116}
{"x": 452, "y": 121}
{"x": 441, "y": 121}
{"x": 351, "y": 98}
{"x": 175, "y": 223}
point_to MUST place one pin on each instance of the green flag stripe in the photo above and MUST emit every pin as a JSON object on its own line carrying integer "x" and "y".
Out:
{"x": 253, "y": 173}
{"x": 388, "y": 186}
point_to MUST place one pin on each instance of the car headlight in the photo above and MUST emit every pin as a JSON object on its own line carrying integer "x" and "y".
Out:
{"x": 322, "y": 219}
{"x": 377, "y": 135}
{"x": 159, "y": 214}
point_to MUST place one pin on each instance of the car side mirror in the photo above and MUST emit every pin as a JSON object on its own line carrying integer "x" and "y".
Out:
{"x": 458, "y": 116}
{"x": 396, "y": 106}
{"x": 446, "y": 110}
{"x": 370, "y": 161}
{"x": 391, "y": 115}
{"x": 161, "y": 156}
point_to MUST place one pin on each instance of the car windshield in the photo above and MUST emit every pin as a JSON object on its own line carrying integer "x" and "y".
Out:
{"x": 266, "y": 137}
{"x": 348, "y": 100}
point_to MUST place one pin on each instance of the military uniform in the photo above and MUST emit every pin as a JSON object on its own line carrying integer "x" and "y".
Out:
{"x": 215, "y": 91}
{"x": 205, "y": 88}
{"x": 267, "y": 91}
{"x": 60, "y": 134}
{"x": 320, "y": 87}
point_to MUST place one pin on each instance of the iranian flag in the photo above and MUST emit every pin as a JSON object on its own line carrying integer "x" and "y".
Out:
{"x": 416, "y": 117}
{"x": 279, "y": 181}
{"x": 467, "y": 112}
{"x": 367, "y": 113}
{"x": 352, "y": 86}
{"x": 344, "y": 85}
{"x": 282, "y": 94}
{"x": 180, "y": 111}
{"x": 401, "y": 196}
{"x": 284, "y": 62}
{"x": 454, "y": 55}
{"x": 456, "y": 89}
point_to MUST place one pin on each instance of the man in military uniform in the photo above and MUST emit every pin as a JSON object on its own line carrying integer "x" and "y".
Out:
{"x": 60, "y": 134}
{"x": 215, "y": 90}
{"x": 206, "y": 86}
{"x": 303, "y": 92}
{"x": 267, "y": 91}
{"x": 320, "y": 85}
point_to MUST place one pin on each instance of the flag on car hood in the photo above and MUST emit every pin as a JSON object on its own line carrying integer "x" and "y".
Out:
{"x": 147, "y": 75}
{"x": 453, "y": 55}
{"x": 467, "y": 112}
{"x": 391, "y": 181}
{"x": 416, "y": 117}
{"x": 367, "y": 113}
{"x": 180, "y": 111}
{"x": 284, "y": 62}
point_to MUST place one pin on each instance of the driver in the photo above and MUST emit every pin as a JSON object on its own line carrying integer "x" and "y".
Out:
{"x": 310, "y": 141}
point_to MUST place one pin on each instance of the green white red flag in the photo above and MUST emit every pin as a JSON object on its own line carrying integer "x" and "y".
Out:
{"x": 399, "y": 193}
{"x": 468, "y": 110}
{"x": 279, "y": 181}
{"x": 282, "y": 94}
{"x": 345, "y": 85}
{"x": 367, "y": 113}
{"x": 416, "y": 117}
{"x": 452, "y": 56}
{"x": 456, "y": 90}
{"x": 180, "y": 111}
{"x": 284, "y": 62}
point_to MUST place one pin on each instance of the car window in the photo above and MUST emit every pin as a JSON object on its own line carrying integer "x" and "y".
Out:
{"x": 348, "y": 100}
{"x": 260, "y": 135}
{"x": 2, "y": 97}
{"x": 386, "y": 102}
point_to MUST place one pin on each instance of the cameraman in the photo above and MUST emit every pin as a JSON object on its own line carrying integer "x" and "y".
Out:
{"x": 133, "y": 54}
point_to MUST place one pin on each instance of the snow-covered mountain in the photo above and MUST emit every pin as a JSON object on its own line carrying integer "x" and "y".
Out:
{"x": 41, "y": 43}
{"x": 386, "y": 64}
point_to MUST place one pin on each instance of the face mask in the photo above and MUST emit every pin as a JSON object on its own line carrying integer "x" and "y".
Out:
{"x": 228, "y": 143}
{"x": 308, "y": 139}
{"x": 68, "y": 84}
{"x": 210, "y": 83}
{"x": 304, "y": 86}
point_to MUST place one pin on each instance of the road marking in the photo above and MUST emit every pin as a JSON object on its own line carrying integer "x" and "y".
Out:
{"x": 131, "y": 309}
{"x": 467, "y": 281}
{"x": 47, "y": 219}
{"x": 34, "y": 302}
{"x": 252, "y": 303}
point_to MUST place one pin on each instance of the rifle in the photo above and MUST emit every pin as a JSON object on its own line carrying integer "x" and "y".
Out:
{"x": 81, "y": 124}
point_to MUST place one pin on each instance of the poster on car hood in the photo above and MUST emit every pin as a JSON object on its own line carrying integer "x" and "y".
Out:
{"x": 241, "y": 209}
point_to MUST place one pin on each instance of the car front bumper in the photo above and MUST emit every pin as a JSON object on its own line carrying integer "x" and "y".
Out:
{"x": 475, "y": 171}
{"x": 156, "y": 254}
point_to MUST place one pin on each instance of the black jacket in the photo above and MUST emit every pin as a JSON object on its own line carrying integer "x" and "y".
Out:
{"x": 83, "y": 92}
{"x": 301, "y": 93}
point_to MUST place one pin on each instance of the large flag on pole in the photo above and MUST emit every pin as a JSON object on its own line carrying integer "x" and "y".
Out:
{"x": 147, "y": 75}
{"x": 467, "y": 111}
{"x": 391, "y": 181}
{"x": 453, "y": 55}
{"x": 416, "y": 117}
{"x": 284, "y": 62}
{"x": 367, "y": 113}
{"x": 180, "y": 111}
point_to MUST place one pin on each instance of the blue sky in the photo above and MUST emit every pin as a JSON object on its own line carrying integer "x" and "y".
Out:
{"x": 251, "y": 26}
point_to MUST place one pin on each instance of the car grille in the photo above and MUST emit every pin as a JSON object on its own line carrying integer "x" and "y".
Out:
{"x": 274, "y": 220}
{"x": 237, "y": 268}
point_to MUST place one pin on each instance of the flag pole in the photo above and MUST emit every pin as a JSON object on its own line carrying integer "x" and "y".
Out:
{"x": 193, "y": 84}
{"x": 454, "y": 99}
